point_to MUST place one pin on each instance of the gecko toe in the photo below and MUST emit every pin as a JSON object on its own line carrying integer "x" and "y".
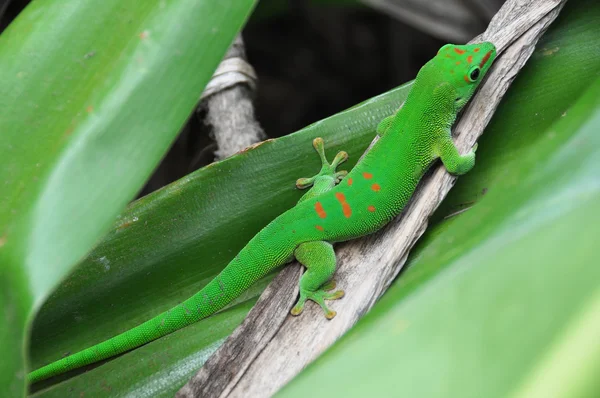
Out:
{"x": 329, "y": 285}
{"x": 296, "y": 311}
{"x": 330, "y": 314}
{"x": 334, "y": 296}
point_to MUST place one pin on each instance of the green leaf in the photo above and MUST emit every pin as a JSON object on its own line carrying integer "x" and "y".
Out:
{"x": 503, "y": 300}
{"x": 91, "y": 96}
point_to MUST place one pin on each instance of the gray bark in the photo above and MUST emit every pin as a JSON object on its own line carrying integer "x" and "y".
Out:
{"x": 228, "y": 100}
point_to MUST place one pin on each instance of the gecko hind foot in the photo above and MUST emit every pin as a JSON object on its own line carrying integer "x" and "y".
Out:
{"x": 318, "y": 297}
{"x": 327, "y": 169}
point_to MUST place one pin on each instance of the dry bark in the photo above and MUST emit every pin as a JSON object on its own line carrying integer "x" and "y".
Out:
{"x": 271, "y": 347}
{"x": 228, "y": 101}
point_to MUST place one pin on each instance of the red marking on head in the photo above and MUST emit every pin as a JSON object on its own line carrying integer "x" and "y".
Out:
{"x": 345, "y": 206}
{"x": 466, "y": 78}
{"x": 89, "y": 109}
{"x": 320, "y": 228}
{"x": 459, "y": 51}
{"x": 349, "y": 182}
{"x": 457, "y": 62}
{"x": 470, "y": 59}
{"x": 320, "y": 210}
{"x": 485, "y": 58}
{"x": 368, "y": 176}
{"x": 371, "y": 208}
{"x": 476, "y": 50}
{"x": 375, "y": 187}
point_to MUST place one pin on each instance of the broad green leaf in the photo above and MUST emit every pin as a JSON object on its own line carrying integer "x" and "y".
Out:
{"x": 503, "y": 300}
{"x": 92, "y": 93}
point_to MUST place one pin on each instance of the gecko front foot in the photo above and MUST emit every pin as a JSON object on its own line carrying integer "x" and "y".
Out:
{"x": 327, "y": 170}
{"x": 318, "y": 297}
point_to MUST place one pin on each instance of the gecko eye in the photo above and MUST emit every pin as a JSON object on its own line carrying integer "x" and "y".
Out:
{"x": 474, "y": 74}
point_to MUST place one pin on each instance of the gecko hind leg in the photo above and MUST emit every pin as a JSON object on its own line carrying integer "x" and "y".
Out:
{"x": 319, "y": 260}
{"x": 327, "y": 177}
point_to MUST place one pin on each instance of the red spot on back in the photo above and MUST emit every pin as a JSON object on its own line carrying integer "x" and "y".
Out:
{"x": 485, "y": 58}
{"x": 449, "y": 56}
{"x": 320, "y": 228}
{"x": 452, "y": 71}
{"x": 476, "y": 50}
{"x": 457, "y": 62}
{"x": 349, "y": 182}
{"x": 371, "y": 208}
{"x": 459, "y": 51}
{"x": 375, "y": 187}
{"x": 470, "y": 59}
{"x": 89, "y": 109}
{"x": 320, "y": 211}
{"x": 345, "y": 206}
{"x": 368, "y": 176}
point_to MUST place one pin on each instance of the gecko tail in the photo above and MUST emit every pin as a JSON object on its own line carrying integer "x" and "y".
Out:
{"x": 252, "y": 263}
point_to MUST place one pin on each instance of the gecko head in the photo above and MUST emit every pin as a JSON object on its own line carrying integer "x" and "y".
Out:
{"x": 464, "y": 67}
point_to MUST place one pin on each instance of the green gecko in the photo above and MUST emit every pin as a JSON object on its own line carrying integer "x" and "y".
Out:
{"x": 340, "y": 206}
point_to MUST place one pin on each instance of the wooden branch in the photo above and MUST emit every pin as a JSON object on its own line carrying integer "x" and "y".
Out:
{"x": 271, "y": 347}
{"x": 228, "y": 102}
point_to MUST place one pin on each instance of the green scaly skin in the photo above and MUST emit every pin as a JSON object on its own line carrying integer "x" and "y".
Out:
{"x": 362, "y": 202}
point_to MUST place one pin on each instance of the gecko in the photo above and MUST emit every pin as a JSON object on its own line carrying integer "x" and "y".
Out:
{"x": 339, "y": 206}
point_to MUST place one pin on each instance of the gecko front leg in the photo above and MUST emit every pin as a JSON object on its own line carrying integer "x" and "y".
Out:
{"x": 327, "y": 177}
{"x": 454, "y": 162}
